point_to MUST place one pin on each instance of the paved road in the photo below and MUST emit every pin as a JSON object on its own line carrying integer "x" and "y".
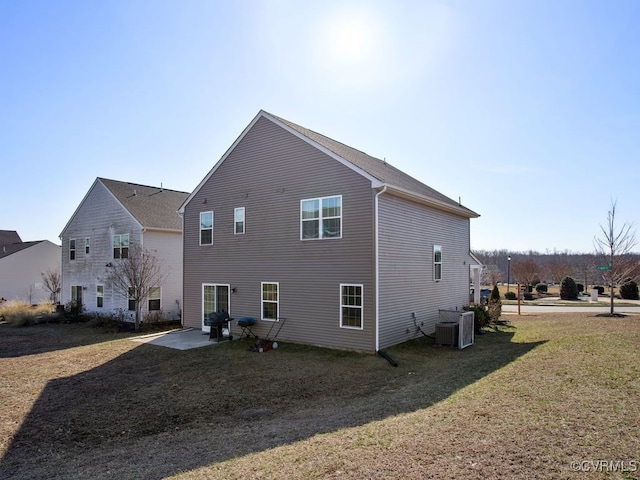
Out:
{"x": 635, "y": 309}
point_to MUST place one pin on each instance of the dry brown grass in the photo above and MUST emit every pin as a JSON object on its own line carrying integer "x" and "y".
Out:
{"x": 19, "y": 313}
{"x": 523, "y": 402}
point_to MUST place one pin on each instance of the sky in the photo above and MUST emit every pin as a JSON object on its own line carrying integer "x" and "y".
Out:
{"x": 527, "y": 111}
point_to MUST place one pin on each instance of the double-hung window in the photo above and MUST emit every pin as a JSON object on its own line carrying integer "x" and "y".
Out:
{"x": 206, "y": 228}
{"x": 321, "y": 218}
{"x": 87, "y": 245}
{"x": 270, "y": 301}
{"x": 72, "y": 249}
{"x": 99, "y": 296}
{"x": 154, "y": 298}
{"x": 121, "y": 246}
{"x": 437, "y": 262}
{"x": 351, "y": 306}
{"x": 132, "y": 299}
{"x": 238, "y": 220}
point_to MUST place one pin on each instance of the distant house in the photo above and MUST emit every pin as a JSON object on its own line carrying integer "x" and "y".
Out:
{"x": 22, "y": 265}
{"x": 345, "y": 249}
{"x": 113, "y": 217}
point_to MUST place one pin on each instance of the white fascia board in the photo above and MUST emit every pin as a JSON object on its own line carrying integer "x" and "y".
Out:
{"x": 431, "y": 202}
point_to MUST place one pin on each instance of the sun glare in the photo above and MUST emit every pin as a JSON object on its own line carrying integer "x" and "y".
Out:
{"x": 351, "y": 40}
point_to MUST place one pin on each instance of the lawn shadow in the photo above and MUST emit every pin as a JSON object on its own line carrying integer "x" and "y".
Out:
{"x": 154, "y": 412}
{"x": 47, "y": 337}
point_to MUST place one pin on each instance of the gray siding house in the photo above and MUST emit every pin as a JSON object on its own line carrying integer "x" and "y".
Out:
{"x": 22, "y": 265}
{"x": 291, "y": 226}
{"x": 112, "y": 217}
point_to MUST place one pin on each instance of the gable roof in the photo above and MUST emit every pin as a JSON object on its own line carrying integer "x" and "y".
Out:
{"x": 9, "y": 236}
{"x": 379, "y": 172}
{"x": 7, "y": 249}
{"x": 152, "y": 207}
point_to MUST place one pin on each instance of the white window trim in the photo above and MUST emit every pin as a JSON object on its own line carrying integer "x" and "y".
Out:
{"x": 121, "y": 235}
{"x": 159, "y": 298}
{"x": 200, "y": 229}
{"x": 361, "y": 306}
{"x": 320, "y": 218}
{"x": 437, "y": 248}
{"x": 262, "y": 301}
{"x": 74, "y": 249}
{"x": 215, "y": 298}
{"x": 235, "y": 222}
{"x": 99, "y": 295}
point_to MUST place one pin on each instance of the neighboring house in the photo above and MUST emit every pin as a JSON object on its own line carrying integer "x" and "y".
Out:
{"x": 113, "y": 217}
{"x": 22, "y": 265}
{"x": 347, "y": 248}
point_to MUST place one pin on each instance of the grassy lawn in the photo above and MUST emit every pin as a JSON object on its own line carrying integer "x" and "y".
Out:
{"x": 523, "y": 402}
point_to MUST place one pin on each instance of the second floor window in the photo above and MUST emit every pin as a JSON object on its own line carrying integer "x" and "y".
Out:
{"x": 206, "y": 228}
{"x": 121, "y": 246}
{"x": 321, "y": 218}
{"x": 238, "y": 215}
{"x": 72, "y": 249}
{"x": 87, "y": 244}
{"x": 437, "y": 262}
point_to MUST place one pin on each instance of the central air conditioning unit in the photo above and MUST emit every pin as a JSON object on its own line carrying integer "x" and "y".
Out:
{"x": 455, "y": 328}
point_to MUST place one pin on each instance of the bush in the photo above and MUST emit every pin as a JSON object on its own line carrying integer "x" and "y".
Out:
{"x": 568, "y": 289}
{"x": 494, "y": 308}
{"x": 542, "y": 288}
{"x": 600, "y": 289}
{"x": 629, "y": 290}
{"x": 528, "y": 296}
{"x": 580, "y": 287}
{"x": 510, "y": 295}
{"x": 480, "y": 316}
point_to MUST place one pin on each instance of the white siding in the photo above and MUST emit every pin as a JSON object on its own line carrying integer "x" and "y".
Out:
{"x": 167, "y": 247}
{"x": 20, "y": 272}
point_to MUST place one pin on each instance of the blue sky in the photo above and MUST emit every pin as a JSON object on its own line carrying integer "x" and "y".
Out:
{"x": 529, "y": 111}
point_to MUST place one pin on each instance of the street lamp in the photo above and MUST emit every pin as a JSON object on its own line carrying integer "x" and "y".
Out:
{"x": 508, "y": 272}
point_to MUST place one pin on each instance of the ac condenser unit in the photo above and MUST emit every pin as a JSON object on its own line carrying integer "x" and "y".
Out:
{"x": 456, "y": 328}
{"x": 447, "y": 333}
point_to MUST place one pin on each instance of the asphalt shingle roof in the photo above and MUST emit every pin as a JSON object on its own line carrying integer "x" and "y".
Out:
{"x": 379, "y": 169}
{"x": 152, "y": 207}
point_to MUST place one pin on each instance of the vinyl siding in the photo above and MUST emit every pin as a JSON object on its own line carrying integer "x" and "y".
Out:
{"x": 408, "y": 232}
{"x": 20, "y": 272}
{"x": 269, "y": 172}
{"x": 99, "y": 217}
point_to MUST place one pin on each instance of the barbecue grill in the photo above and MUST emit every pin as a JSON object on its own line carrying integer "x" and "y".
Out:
{"x": 219, "y": 322}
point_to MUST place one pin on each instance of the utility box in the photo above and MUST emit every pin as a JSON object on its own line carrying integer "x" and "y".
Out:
{"x": 594, "y": 294}
{"x": 455, "y": 328}
{"x": 447, "y": 333}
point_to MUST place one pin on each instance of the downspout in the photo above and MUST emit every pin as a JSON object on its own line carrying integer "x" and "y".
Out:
{"x": 377, "y": 255}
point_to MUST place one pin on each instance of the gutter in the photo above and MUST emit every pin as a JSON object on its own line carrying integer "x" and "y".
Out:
{"x": 377, "y": 255}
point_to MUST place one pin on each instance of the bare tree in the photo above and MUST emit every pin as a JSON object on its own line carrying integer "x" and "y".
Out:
{"x": 135, "y": 276}
{"x": 557, "y": 270}
{"x": 615, "y": 246}
{"x": 525, "y": 271}
{"x": 52, "y": 281}
{"x": 491, "y": 275}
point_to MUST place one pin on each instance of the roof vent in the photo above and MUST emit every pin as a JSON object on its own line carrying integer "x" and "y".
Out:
{"x": 135, "y": 192}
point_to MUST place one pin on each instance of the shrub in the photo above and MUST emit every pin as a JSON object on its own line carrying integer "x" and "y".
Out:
{"x": 542, "y": 288}
{"x": 580, "y": 287}
{"x": 568, "y": 289}
{"x": 629, "y": 290}
{"x": 600, "y": 289}
{"x": 494, "y": 308}
{"x": 510, "y": 295}
{"x": 480, "y": 316}
{"x": 528, "y": 296}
